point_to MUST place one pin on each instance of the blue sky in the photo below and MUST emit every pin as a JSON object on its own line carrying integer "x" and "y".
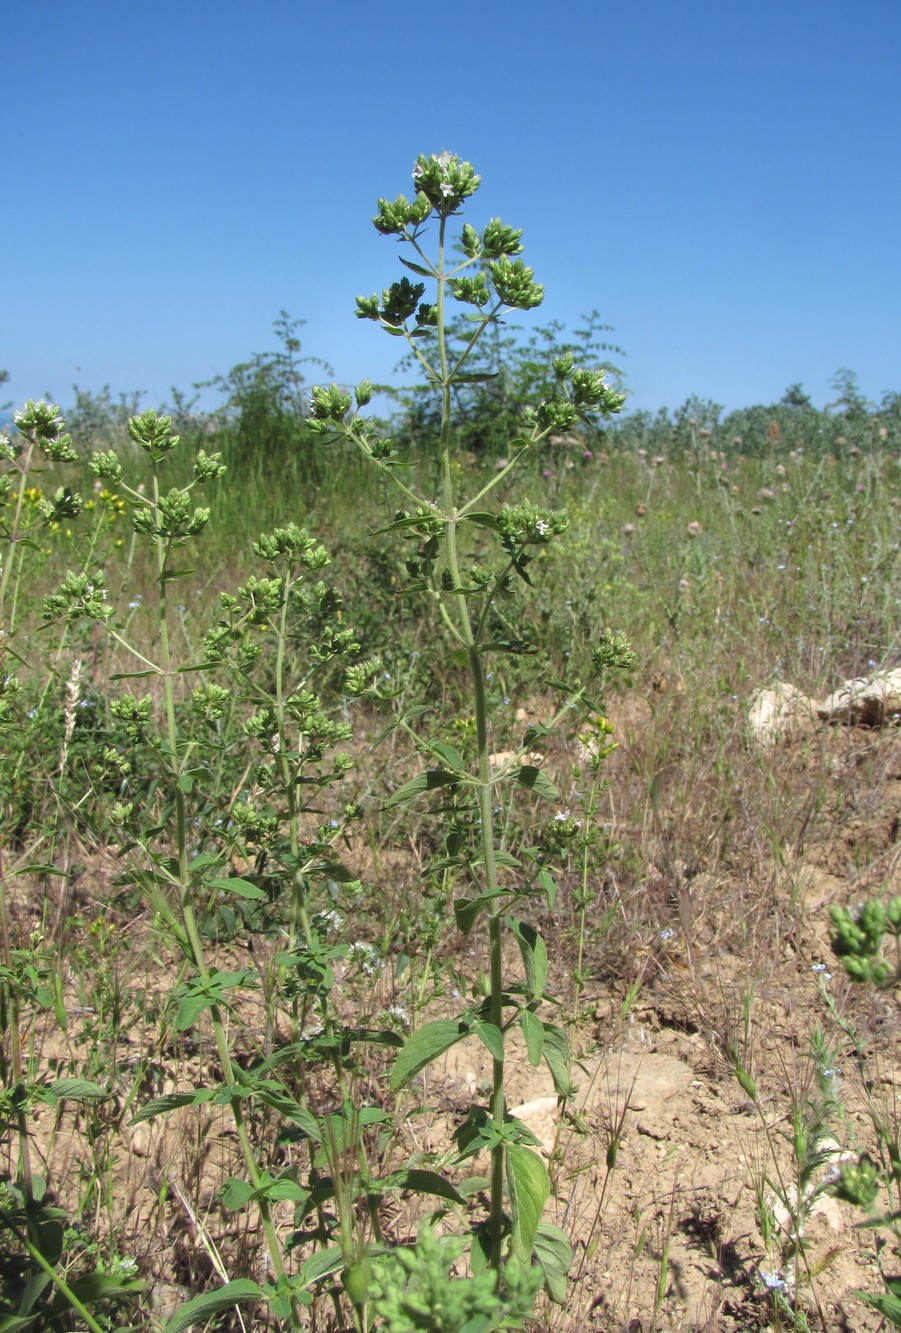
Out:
{"x": 718, "y": 178}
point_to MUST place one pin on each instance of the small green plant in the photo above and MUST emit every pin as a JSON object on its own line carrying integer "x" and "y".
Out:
{"x": 859, "y": 936}
{"x": 857, "y": 941}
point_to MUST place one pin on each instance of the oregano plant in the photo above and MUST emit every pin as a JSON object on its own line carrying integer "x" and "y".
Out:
{"x": 482, "y": 274}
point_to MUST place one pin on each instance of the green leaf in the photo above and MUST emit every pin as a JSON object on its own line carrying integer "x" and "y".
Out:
{"x": 235, "y": 1193}
{"x": 11, "y": 1323}
{"x": 554, "y": 1253}
{"x": 190, "y": 1007}
{"x": 172, "y": 1101}
{"x": 334, "y": 870}
{"x": 242, "y": 887}
{"x": 537, "y": 781}
{"x": 533, "y": 1031}
{"x": 491, "y": 1038}
{"x": 518, "y": 647}
{"x": 480, "y": 1250}
{"x": 321, "y": 1264}
{"x": 417, "y": 268}
{"x": 75, "y": 1090}
{"x": 888, "y": 1306}
{"x": 291, "y": 1110}
{"x": 201, "y": 862}
{"x": 549, "y": 884}
{"x": 203, "y": 1307}
{"x": 534, "y": 956}
{"x": 451, "y": 757}
{"x": 556, "y": 1057}
{"x": 424, "y": 1046}
{"x": 468, "y": 910}
{"x": 423, "y": 1182}
{"x": 529, "y": 1189}
{"x": 483, "y": 519}
{"x": 435, "y": 777}
{"x": 93, "y": 1287}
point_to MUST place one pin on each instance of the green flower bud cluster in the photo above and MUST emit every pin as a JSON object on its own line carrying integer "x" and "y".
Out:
{"x": 358, "y": 430}
{"x": 66, "y": 503}
{"x": 117, "y": 765}
{"x": 471, "y": 291}
{"x": 134, "y": 712}
{"x": 106, "y": 465}
{"x": 395, "y": 218}
{"x": 42, "y": 424}
{"x": 329, "y": 405}
{"x": 221, "y": 638}
{"x": 262, "y": 598}
{"x": 262, "y": 726}
{"x": 858, "y": 938}
{"x": 413, "y": 1291}
{"x": 174, "y": 518}
{"x": 121, "y": 812}
{"x": 499, "y": 240}
{"x": 858, "y": 1182}
{"x": 555, "y": 414}
{"x": 208, "y": 467}
{"x": 526, "y": 524}
{"x": 293, "y": 543}
{"x": 496, "y": 240}
{"x": 152, "y": 433}
{"x": 590, "y": 390}
{"x": 320, "y": 602}
{"x": 398, "y": 303}
{"x": 210, "y": 702}
{"x": 81, "y": 597}
{"x": 255, "y": 824}
{"x": 596, "y": 740}
{"x": 482, "y": 579}
{"x": 319, "y": 731}
{"x": 444, "y": 181}
{"x": 362, "y": 677}
{"x": 333, "y": 643}
{"x": 613, "y": 653}
{"x": 587, "y": 392}
{"x": 515, "y": 284}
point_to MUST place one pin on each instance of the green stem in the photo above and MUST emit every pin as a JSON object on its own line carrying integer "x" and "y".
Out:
{"x": 15, "y": 1048}
{"x": 60, "y": 1282}
{"x": 14, "y": 533}
{"x": 477, "y": 677}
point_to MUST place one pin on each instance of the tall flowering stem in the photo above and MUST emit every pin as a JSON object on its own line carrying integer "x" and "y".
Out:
{"x": 489, "y": 281}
